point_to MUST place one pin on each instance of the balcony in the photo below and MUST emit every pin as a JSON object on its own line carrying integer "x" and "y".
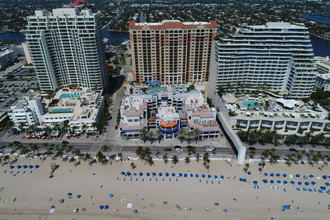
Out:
{"x": 168, "y": 130}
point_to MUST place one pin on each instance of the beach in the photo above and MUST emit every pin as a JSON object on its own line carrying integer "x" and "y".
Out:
{"x": 31, "y": 195}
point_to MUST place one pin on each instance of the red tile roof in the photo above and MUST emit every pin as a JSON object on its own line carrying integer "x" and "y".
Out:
{"x": 77, "y": 3}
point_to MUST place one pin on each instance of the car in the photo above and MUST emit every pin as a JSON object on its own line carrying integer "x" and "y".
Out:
{"x": 168, "y": 149}
{"x": 190, "y": 147}
{"x": 292, "y": 149}
{"x": 65, "y": 142}
{"x": 116, "y": 127}
{"x": 209, "y": 149}
{"x": 252, "y": 148}
{"x": 16, "y": 142}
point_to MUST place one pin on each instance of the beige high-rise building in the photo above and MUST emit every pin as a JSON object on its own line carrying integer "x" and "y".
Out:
{"x": 171, "y": 51}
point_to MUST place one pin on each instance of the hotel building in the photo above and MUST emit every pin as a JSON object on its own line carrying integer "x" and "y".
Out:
{"x": 172, "y": 52}
{"x": 166, "y": 113}
{"x": 276, "y": 54}
{"x": 66, "y": 48}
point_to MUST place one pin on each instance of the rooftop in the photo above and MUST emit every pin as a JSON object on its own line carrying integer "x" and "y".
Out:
{"x": 172, "y": 24}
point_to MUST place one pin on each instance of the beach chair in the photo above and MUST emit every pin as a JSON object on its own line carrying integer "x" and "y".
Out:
{"x": 170, "y": 179}
{"x": 24, "y": 172}
{"x": 31, "y": 171}
{"x": 156, "y": 179}
{"x": 212, "y": 181}
{"x": 142, "y": 179}
{"x": 176, "y": 179}
{"x": 284, "y": 190}
{"x": 320, "y": 191}
{"x": 136, "y": 179}
{"x": 5, "y": 171}
{"x": 298, "y": 189}
{"x": 130, "y": 179}
{"x": 124, "y": 179}
{"x": 163, "y": 179}
{"x": 207, "y": 181}
{"x": 150, "y": 179}
{"x": 200, "y": 180}
{"x": 11, "y": 172}
{"x": 314, "y": 190}
{"x": 310, "y": 190}
{"x": 218, "y": 182}
{"x": 117, "y": 178}
{"x": 304, "y": 189}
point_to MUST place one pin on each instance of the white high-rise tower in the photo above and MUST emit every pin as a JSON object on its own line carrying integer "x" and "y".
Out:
{"x": 66, "y": 48}
{"x": 275, "y": 55}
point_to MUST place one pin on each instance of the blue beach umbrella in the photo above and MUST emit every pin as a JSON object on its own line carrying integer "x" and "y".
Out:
{"x": 302, "y": 162}
{"x": 19, "y": 166}
{"x": 180, "y": 174}
{"x": 30, "y": 166}
{"x": 154, "y": 174}
{"x": 222, "y": 176}
{"x": 260, "y": 164}
{"x": 322, "y": 187}
{"x": 265, "y": 181}
{"x": 298, "y": 175}
{"x": 307, "y": 183}
{"x": 272, "y": 174}
{"x": 203, "y": 175}
{"x": 101, "y": 207}
{"x": 185, "y": 175}
{"x": 209, "y": 176}
{"x": 285, "y": 175}
{"x": 148, "y": 174}
{"x": 249, "y": 173}
{"x": 122, "y": 173}
{"x": 36, "y": 166}
{"x": 167, "y": 174}
{"x": 173, "y": 174}
{"x": 278, "y": 174}
{"x": 160, "y": 174}
{"x": 272, "y": 181}
{"x": 255, "y": 182}
{"x": 11, "y": 167}
{"x": 78, "y": 196}
{"x": 279, "y": 181}
{"x": 285, "y": 182}
{"x": 196, "y": 175}
{"x": 69, "y": 194}
{"x": 244, "y": 180}
{"x": 265, "y": 174}
{"x": 327, "y": 184}
{"x": 313, "y": 182}
{"x": 292, "y": 182}
{"x": 106, "y": 207}
{"x": 25, "y": 166}
{"x": 111, "y": 195}
{"x": 141, "y": 174}
{"x": 191, "y": 175}
{"x": 134, "y": 210}
{"x": 299, "y": 183}
{"x": 240, "y": 179}
{"x": 128, "y": 173}
{"x": 215, "y": 177}
{"x": 325, "y": 177}
{"x": 61, "y": 201}
{"x": 311, "y": 176}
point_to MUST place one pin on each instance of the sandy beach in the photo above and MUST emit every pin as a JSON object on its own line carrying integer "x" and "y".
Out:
{"x": 35, "y": 192}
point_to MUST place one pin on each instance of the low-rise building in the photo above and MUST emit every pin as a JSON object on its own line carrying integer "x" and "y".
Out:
{"x": 7, "y": 58}
{"x": 284, "y": 116}
{"x": 80, "y": 107}
{"x": 323, "y": 68}
{"x": 166, "y": 113}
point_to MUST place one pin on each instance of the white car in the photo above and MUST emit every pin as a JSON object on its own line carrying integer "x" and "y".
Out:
{"x": 209, "y": 149}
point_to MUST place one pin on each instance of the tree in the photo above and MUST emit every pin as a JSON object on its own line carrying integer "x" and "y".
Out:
{"x": 150, "y": 161}
{"x": 133, "y": 166}
{"x": 165, "y": 158}
{"x": 196, "y": 132}
{"x": 246, "y": 167}
{"x": 144, "y": 134}
{"x": 252, "y": 154}
{"x": 175, "y": 159}
{"x": 139, "y": 152}
{"x": 187, "y": 160}
{"x": 197, "y": 157}
{"x": 87, "y": 157}
{"x": 105, "y": 149}
{"x": 181, "y": 134}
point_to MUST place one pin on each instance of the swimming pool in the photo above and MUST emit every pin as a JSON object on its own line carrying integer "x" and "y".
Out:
{"x": 252, "y": 104}
{"x": 67, "y": 95}
{"x": 157, "y": 89}
{"x": 61, "y": 110}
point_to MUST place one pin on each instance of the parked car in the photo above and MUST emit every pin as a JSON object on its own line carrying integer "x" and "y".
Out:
{"x": 252, "y": 148}
{"x": 292, "y": 149}
{"x": 209, "y": 149}
{"x": 168, "y": 149}
{"x": 65, "y": 142}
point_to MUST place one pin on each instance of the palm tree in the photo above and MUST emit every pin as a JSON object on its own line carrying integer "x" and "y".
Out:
{"x": 133, "y": 165}
{"x": 150, "y": 161}
{"x": 87, "y": 157}
{"x": 246, "y": 167}
{"x": 189, "y": 135}
{"x": 84, "y": 126}
{"x": 34, "y": 148}
{"x": 197, "y": 157}
{"x": 175, "y": 159}
{"x": 252, "y": 154}
{"x": 105, "y": 149}
{"x": 150, "y": 135}
{"x": 165, "y": 158}
{"x": 196, "y": 132}
{"x": 72, "y": 160}
{"x": 139, "y": 152}
{"x": 187, "y": 160}
{"x": 181, "y": 134}
{"x": 144, "y": 134}
{"x": 6, "y": 158}
{"x": 21, "y": 126}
